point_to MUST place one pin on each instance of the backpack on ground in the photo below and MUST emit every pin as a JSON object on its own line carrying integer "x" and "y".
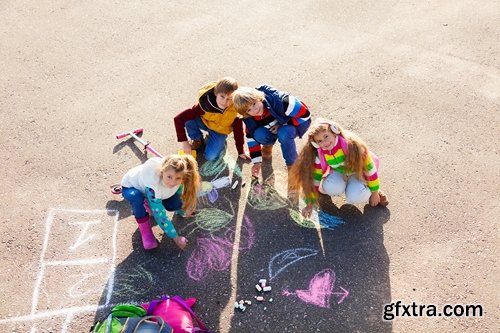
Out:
{"x": 131, "y": 318}
{"x": 177, "y": 313}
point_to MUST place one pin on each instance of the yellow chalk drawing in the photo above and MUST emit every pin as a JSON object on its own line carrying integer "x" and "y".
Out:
{"x": 206, "y": 186}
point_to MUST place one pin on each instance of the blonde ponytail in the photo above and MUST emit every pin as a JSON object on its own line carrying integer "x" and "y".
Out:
{"x": 192, "y": 183}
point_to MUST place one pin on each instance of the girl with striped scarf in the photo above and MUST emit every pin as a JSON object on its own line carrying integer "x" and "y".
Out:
{"x": 335, "y": 161}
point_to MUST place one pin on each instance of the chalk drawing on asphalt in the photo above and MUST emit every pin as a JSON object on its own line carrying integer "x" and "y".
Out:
{"x": 213, "y": 253}
{"x": 209, "y": 190}
{"x": 87, "y": 251}
{"x": 265, "y": 197}
{"x": 320, "y": 290}
{"x": 326, "y": 221}
{"x": 215, "y": 168}
{"x": 212, "y": 219}
{"x": 135, "y": 282}
{"x": 282, "y": 260}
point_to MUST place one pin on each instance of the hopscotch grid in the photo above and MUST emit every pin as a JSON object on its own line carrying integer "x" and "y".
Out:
{"x": 111, "y": 280}
{"x": 41, "y": 263}
{"x": 68, "y": 312}
{"x": 78, "y": 262}
{"x": 58, "y": 313}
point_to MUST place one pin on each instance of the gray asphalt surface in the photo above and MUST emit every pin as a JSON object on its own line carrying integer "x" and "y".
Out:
{"x": 418, "y": 81}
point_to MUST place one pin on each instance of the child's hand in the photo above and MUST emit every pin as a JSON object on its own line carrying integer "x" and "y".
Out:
{"x": 256, "y": 170}
{"x": 274, "y": 129}
{"x": 189, "y": 213}
{"x": 186, "y": 147}
{"x": 244, "y": 156}
{"x": 307, "y": 211}
{"x": 181, "y": 242}
{"x": 374, "y": 199}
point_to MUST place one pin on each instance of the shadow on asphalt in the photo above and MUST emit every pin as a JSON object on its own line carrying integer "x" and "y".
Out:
{"x": 335, "y": 280}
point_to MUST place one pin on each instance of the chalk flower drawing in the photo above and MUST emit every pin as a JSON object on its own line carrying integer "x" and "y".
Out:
{"x": 320, "y": 290}
{"x": 209, "y": 189}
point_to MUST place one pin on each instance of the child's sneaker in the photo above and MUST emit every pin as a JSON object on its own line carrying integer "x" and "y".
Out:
{"x": 384, "y": 201}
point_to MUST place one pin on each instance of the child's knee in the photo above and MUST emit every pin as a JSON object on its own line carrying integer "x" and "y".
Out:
{"x": 357, "y": 193}
{"x": 286, "y": 133}
{"x": 333, "y": 185}
{"x": 263, "y": 136}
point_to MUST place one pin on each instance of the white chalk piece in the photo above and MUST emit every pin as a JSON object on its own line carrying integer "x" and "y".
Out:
{"x": 265, "y": 308}
{"x": 248, "y": 302}
{"x": 259, "y": 298}
{"x": 234, "y": 185}
{"x": 241, "y": 301}
{"x": 270, "y": 300}
{"x": 267, "y": 288}
{"x": 262, "y": 281}
{"x": 259, "y": 288}
{"x": 236, "y": 305}
{"x": 243, "y": 308}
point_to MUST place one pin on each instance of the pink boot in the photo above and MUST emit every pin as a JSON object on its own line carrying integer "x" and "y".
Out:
{"x": 148, "y": 239}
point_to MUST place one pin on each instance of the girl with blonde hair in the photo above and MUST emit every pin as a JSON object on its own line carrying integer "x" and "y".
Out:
{"x": 160, "y": 185}
{"x": 335, "y": 161}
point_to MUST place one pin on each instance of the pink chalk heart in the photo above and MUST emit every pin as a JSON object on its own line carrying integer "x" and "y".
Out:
{"x": 320, "y": 289}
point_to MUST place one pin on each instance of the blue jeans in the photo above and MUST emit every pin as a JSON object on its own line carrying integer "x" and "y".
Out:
{"x": 136, "y": 200}
{"x": 216, "y": 142}
{"x": 286, "y": 136}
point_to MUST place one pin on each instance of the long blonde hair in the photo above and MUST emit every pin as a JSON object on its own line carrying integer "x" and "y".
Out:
{"x": 191, "y": 180}
{"x": 301, "y": 173}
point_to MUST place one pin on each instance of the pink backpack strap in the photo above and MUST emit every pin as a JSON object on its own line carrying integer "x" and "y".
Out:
{"x": 322, "y": 161}
{"x": 343, "y": 144}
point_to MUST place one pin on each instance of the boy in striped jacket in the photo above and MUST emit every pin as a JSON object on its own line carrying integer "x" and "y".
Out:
{"x": 333, "y": 162}
{"x": 271, "y": 115}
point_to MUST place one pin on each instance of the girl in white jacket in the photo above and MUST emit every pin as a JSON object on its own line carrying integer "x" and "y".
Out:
{"x": 160, "y": 185}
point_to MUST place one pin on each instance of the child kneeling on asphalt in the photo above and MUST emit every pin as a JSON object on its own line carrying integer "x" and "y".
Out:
{"x": 160, "y": 185}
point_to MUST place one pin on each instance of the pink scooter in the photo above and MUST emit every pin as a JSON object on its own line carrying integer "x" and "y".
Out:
{"x": 117, "y": 189}
{"x": 146, "y": 145}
